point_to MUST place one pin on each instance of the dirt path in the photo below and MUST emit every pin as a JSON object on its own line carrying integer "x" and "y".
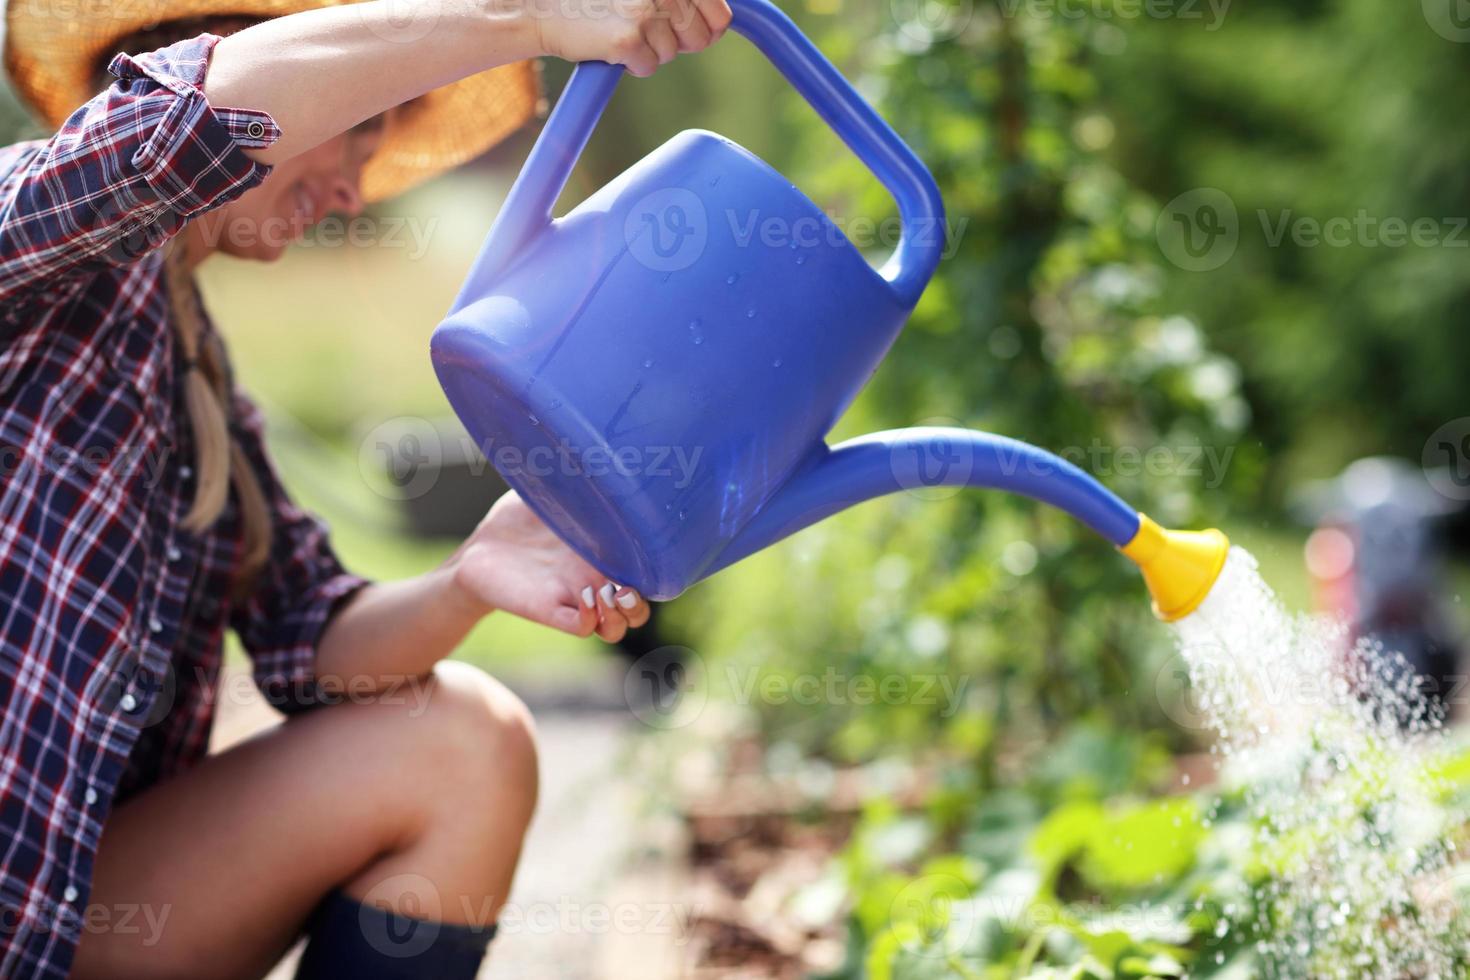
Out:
{"x": 589, "y": 901}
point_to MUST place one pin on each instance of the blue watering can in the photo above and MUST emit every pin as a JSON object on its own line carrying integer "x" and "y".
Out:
{"x": 655, "y": 372}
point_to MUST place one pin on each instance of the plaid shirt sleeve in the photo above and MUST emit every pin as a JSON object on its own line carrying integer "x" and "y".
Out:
{"x": 126, "y": 169}
{"x": 301, "y": 587}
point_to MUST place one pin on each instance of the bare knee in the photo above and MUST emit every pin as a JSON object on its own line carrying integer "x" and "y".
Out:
{"x": 482, "y": 740}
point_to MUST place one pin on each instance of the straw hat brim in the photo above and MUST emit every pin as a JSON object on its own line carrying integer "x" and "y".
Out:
{"x": 52, "y": 53}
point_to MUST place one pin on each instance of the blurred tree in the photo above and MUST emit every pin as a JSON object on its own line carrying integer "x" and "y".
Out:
{"x": 1303, "y": 113}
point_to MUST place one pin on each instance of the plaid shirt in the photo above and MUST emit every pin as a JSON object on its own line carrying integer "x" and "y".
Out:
{"x": 112, "y": 616}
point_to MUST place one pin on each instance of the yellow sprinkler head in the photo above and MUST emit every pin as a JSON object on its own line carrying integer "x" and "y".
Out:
{"x": 1179, "y": 567}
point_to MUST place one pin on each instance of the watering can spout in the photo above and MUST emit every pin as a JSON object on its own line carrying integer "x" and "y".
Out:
{"x": 1179, "y": 567}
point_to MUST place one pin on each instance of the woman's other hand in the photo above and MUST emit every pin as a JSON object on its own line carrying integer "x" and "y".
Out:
{"x": 638, "y": 34}
{"x": 515, "y": 562}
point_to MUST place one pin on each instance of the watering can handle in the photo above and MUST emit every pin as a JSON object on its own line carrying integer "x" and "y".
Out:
{"x": 527, "y": 208}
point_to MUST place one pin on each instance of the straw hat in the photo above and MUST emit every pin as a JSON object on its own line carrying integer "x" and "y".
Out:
{"x": 52, "y": 50}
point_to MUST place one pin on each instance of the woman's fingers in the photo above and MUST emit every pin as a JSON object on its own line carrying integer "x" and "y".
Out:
{"x": 634, "y": 606}
{"x": 563, "y": 610}
{"x": 639, "y": 58}
{"x": 613, "y": 623}
{"x": 606, "y": 608}
{"x": 689, "y": 27}
{"x": 716, "y": 14}
{"x": 659, "y": 33}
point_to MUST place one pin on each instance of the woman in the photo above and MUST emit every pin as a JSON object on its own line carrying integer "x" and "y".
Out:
{"x": 385, "y": 817}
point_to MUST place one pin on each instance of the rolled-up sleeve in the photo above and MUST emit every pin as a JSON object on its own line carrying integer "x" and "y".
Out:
{"x": 127, "y": 169}
{"x": 297, "y": 592}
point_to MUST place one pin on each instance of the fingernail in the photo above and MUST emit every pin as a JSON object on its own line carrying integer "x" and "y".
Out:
{"x": 628, "y": 599}
{"x": 607, "y": 594}
{"x": 587, "y": 599}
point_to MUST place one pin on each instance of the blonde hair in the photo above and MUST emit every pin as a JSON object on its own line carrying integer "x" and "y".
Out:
{"x": 219, "y": 461}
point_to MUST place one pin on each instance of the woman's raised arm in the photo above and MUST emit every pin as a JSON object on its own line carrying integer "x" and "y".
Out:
{"x": 323, "y": 71}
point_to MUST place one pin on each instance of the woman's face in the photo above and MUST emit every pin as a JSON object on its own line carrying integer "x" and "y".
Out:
{"x": 299, "y": 193}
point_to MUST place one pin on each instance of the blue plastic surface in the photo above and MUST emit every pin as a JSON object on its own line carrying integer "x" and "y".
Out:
{"x": 656, "y": 371}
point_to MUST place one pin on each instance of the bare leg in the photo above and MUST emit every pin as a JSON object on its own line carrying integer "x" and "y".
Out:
{"x": 418, "y": 805}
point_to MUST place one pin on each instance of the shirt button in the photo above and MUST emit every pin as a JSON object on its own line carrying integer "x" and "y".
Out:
{"x": 154, "y": 625}
{"x": 129, "y": 703}
{"x": 173, "y": 553}
{"x": 255, "y": 129}
{"x": 90, "y": 796}
{"x": 70, "y": 895}
{"x": 185, "y": 472}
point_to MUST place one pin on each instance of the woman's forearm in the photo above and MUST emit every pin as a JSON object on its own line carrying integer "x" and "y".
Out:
{"x": 321, "y": 72}
{"x": 392, "y": 631}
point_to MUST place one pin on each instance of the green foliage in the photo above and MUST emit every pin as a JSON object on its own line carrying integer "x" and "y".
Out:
{"x": 1043, "y": 323}
{"x": 1045, "y": 844}
{"x": 1316, "y": 111}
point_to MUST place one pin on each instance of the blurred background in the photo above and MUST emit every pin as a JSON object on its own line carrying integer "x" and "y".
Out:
{"x": 1217, "y": 251}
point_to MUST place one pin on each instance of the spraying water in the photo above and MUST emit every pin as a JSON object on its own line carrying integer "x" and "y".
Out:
{"x": 1333, "y": 748}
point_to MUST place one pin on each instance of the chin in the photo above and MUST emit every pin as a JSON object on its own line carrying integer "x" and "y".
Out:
{"x": 255, "y": 252}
